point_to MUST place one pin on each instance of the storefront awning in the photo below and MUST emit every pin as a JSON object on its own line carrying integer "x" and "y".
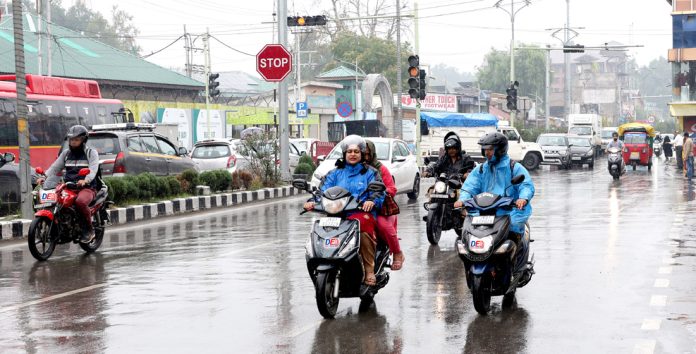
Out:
{"x": 682, "y": 109}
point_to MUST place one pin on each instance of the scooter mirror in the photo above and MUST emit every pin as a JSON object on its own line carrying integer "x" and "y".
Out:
{"x": 518, "y": 179}
{"x": 8, "y": 157}
{"x": 376, "y": 187}
{"x": 39, "y": 171}
{"x": 300, "y": 184}
{"x": 83, "y": 172}
{"x": 455, "y": 184}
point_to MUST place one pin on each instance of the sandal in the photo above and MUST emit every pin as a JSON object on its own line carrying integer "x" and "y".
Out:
{"x": 398, "y": 261}
{"x": 370, "y": 279}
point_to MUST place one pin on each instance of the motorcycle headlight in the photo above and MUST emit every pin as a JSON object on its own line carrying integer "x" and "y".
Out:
{"x": 334, "y": 206}
{"x": 480, "y": 245}
{"x": 440, "y": 187}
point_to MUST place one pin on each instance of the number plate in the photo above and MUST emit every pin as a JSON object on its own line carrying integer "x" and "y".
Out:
{"x": 48, "y": 196}
{"x": 483, "y": 220}
{"x": 635, "y": 155}
{"x": 577, "y": 158}
{"x": 439, "y": 196}
{"x": 329, "y": 222}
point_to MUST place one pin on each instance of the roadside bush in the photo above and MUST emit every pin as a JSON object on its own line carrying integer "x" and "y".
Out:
{"x": 189, "y": 179}
{"x": 225, "y": 179}
{"x": 217, "y": 180}
{"x": 117, "y": 188}
{"x": 236, "y": 182}
{"x": 255, "y": 184}
{"x": 246, "y": 177}
{"x": 174, "y": 185}
{"x": 304, "y": 169}
{"x": 162, "y": 188}
{"x": 130, "y": 190}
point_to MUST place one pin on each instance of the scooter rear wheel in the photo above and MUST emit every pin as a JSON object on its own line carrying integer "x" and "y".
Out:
{"x": 481, "y": 292}
{"x": 41, "y": 244}
{"x": 326, "y": 302}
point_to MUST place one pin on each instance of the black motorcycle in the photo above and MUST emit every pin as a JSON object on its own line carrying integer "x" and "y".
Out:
{"x": 495, "y": 264}
{"x": 333, "y": 250}
{"x": 442, "y": 198}
{"x": 615, "y": 163}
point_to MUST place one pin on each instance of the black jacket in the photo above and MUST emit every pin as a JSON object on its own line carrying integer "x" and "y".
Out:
{"x": 444, "y": 165}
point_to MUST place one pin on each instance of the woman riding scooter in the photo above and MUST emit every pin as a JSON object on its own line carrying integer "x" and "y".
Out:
{"x": 354, "y": 176}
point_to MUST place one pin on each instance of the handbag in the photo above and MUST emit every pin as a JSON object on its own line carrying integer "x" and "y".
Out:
{"x": 389, "y": 207}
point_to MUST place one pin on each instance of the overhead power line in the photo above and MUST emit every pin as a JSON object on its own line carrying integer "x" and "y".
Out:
{"x": 230, "y": 47}
{"x": 165, "y": 47}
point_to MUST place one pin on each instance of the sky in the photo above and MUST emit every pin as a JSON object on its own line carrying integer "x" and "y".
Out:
{"x": 457, "y": 33}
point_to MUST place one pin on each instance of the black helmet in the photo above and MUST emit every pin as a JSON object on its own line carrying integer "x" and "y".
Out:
{"x": 497, "y": 141}
{"x": 77, "y": 131}
{"x": 452, "y": 140}
{"x": 614, "y": 134}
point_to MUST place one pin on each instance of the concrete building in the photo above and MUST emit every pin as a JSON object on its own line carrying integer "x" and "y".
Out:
{"x": 682, "y": 55}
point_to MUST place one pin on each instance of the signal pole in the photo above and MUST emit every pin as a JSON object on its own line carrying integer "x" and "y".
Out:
{"x": 419, "y": 159}
{"x": 22, "y": 123}
{"x": 397, "y": 132}
{"x": 283, "y": 93}
{"x": 206, "y": 54}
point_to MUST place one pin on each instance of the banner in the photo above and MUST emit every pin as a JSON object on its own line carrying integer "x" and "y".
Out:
{"x": 432, "y": 102}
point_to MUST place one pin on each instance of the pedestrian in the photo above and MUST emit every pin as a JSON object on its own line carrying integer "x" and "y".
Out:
{"x": 678, "y": 145}
{"x": 688, "y": 155}
{"x": 667, "y": 147}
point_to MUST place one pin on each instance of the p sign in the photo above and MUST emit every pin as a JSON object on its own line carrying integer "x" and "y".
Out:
{"x": 273, "y": 62}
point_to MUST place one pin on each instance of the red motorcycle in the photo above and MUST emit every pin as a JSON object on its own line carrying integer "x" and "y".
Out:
{"x": 57, "y": 221}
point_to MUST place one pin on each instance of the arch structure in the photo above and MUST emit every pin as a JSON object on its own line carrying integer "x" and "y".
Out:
{"x": 377, "y": 83}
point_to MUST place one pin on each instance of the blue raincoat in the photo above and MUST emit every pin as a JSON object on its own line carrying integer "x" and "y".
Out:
{"x": 355, "y": 179}
{"x": 495, "y": 180}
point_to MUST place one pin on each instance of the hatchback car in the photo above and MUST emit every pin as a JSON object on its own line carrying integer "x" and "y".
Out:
{"x": 393, "y": 153}
{"x": 132, "y": 148}
{"x": 214, "y": 155}
{"x": 581, "y": 150}
{"x": 556, "y": 150}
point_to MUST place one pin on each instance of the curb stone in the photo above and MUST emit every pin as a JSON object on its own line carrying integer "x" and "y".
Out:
{"x": 19, "y": 228}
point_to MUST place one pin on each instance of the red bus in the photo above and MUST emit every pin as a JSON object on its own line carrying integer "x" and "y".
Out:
{"x": 54, "y": 104}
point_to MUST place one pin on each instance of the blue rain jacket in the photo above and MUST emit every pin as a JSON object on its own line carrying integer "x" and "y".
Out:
{"x": 495, "y": 179}
{"x": 355, "y": 179}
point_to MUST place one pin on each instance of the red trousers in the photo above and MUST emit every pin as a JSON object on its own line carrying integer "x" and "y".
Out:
{"x": 367, "y": 222}
{"x": 386, "y": 231}
{"x": 85, "y": 197}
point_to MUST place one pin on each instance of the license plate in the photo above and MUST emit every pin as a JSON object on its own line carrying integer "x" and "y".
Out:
{"x": 329, "y": 222}
{"x": 635, "y": 155}
{"x": 47, "y": 196}
{"x": 439, "y": 196}
{"x": 483, "y": 220}
{"x": 577, "y": 158}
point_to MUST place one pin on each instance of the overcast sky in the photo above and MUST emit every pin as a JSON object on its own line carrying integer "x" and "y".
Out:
{"x": 454, "y": 32}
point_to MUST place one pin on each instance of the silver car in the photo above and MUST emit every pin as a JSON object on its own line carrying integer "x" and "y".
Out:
{"x": 556, "y": 150}
{"x": 214, "y": 155}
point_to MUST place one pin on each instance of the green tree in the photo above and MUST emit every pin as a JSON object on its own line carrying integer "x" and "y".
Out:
{"x": 530, "y": 66}
{"x": 655, "y": 80}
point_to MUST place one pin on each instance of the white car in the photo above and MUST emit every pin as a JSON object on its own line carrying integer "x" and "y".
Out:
{"x": 393, "y": 153}
{"x": 239, "y": 151}
{"x": 303, "y": 144}
{"x": 214, "y": 155}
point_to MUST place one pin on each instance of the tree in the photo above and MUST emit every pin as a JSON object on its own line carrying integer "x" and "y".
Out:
{"x": 444, "y": 74}
{"x": 530, "y": 66}
{"x": 655, "y": 80}
{"x": 367, "y": 25}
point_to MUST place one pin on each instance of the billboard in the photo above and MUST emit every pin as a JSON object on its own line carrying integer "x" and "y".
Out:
{"x": 432, "y": 102}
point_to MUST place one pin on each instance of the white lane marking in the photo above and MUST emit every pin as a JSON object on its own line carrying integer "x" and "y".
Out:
{"x": 658, "y": 300}
{"x": 661, "y": 283}
{"x": 51, "y": 298}
{"x": 669, "y": 260}
{"x": 244, "y": 249}
{"x": 665, "y": 270}
{"x": 651, "y": 324}
{"x": 645, "y": 346}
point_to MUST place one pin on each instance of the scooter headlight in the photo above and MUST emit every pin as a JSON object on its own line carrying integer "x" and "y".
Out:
{"x": 480, "y": 245}
{"x": 461, "y": 248}
{"x": 334, "y": 206}
{"x": 349, "y": 246}
{"x": 440, "y": 187}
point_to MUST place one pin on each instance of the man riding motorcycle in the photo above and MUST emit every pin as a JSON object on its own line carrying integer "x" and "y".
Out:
{"x": 76, "y": 157}
{"x": 454, "y": 161}
{"x": 350, "y": 173}
{"x": 494, "y": 176}
{"x": 615, "y": 142}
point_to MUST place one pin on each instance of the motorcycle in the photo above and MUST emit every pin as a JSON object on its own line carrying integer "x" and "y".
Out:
{"x": 332, "y": 250}
{"x": 495, "y": 264}
{"x": 441, "y": 203}
{"x": 616, "y": 164}
{"x": 657, "y": 149}
{"x": 56, "y": 220}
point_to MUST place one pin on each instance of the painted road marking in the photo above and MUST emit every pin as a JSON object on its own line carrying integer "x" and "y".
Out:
{"x": 51, "y": 298}
{"x": 658, "y": 300}
{"x": 645, "y": 346}
{"x": 651, "y": 324}
{"x": 665, "y": 270}
{"x": 661, "y": 283}
{"x": 669, "y": 260}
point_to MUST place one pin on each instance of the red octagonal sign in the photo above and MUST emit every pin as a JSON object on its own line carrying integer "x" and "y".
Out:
{"x": 273, "y": 62}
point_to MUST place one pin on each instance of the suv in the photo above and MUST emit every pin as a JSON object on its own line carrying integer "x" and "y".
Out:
{"x": 133, "y": 148}
{"x": 556, "y": 150}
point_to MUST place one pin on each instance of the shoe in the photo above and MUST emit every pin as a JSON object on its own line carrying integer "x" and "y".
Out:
{"x": 87, "y": 235}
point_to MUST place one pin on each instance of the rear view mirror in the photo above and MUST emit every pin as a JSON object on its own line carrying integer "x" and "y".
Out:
{"x": 376, "y": 187}
{"x": 518, "y": 179}
{"x": 39, "y": 171}
{"x": 183, "y": 151}
{"x": 83, "y": 172}
{"x": 455, "y": 184}
{"x": 321, "y": 158}
{"x": 8, "y": 157}
{"x": 399, "y": 158}
{"x": 300, "y": 184}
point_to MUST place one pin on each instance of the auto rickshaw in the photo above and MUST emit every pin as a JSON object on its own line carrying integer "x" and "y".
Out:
{"x": 638, "y": 140}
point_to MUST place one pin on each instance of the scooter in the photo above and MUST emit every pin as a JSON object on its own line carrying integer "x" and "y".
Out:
{"x": 495, "y": 264}
{"x": 56, "y": 220}
{"x": 332, "y": 250}
{"x": 657, "y": 149}
{"x": 615, "y": 162}
{"x": 442, "y": 198}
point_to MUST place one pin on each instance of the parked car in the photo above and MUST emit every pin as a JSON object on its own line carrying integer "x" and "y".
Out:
{"x": 582, "y": 151}
{"x": 133, "y": 148}
{"x": 303, "y": 145}
{"x": 214, "y": 154}
{"x": 242, "y": 155}
{"x": 393, "y": 153}
{"x": 556, "y": 149}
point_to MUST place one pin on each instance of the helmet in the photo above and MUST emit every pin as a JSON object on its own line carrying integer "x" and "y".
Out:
{"x": 497, "y": 141}
{"x": 452, "y": 141}
{"x": 353, "y": 140}
{"x": 614, "y": 134}
{"x": 77, "y": 131}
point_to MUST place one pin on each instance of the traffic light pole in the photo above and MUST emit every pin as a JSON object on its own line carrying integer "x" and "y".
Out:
{"x": 283, "y": 95}
{"x": 419, "y": 159}
{"x": 206, "y": 54}
{"x": 21, "y": 111}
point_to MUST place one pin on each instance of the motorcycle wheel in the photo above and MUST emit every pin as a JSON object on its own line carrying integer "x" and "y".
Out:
{"x": 416, "y": 189}
{"x": 634, "y": 167}
{"x": 433, "y": 228}
{"x": 96, "y": 242}
{"x": 616, "y": 177}
{"x": 481, "y": 292}
{"x": 509, "y": 300}
{"x": 326, "y": 302}
{"x": 41, "y": 244}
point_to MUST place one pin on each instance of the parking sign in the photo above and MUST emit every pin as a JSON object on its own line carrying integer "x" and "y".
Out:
{"x": 301, "y": 109}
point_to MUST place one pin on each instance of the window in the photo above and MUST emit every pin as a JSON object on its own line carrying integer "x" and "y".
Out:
{"x": 210, "y": 151}
{"x": 404, "y": 149}
{"x": 150, "y": 144}
{"x": 102, "y": 116}
{"x": 105, "y": 144}
{"x": 8, "y": 125}
{"x": 86, "y": 114}
{"x": 583, "y": 142}
{"x": 134, "y": 145}
{"x": 166, "y": 147}
{"x": 511, "y": 135}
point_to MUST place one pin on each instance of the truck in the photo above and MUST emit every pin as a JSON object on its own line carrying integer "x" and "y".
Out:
{"x": 471, "y": 127}
{"x": 587, "y": 125}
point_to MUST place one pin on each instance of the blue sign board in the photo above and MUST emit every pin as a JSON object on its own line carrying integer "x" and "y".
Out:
{"x": 301, "y": 109}
{"x": 344, "y": 109}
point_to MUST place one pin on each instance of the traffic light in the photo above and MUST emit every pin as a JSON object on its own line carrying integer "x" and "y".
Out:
{"x": 512, "y": 97}
{"x": 574, "y": 49}
{"x": 303, "y": 21}
{"x": 414, "y": 75}
{"x": 213, "y": 85}
{"x": 421, "y": 91}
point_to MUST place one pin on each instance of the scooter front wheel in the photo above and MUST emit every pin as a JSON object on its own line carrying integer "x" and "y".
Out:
{"x": 481, "y": 292}
{"x": 433, "y": 228}
{"x": 41, "y": 244}
{"x": 327, "y": 303}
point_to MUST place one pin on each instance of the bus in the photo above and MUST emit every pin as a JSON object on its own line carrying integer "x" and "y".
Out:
{"x": 54, "y": 105}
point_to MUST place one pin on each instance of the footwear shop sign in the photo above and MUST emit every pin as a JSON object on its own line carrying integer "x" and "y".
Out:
{"x": 432, "y": 102}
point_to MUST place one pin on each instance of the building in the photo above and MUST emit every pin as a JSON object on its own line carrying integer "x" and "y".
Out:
{"x": 682, "y": 55}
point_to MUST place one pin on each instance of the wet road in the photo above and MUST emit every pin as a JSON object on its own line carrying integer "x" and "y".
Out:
{"x": 614, "y": 262}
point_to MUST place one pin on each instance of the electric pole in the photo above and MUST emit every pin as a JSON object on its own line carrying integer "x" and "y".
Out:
{"x": 398, "y": 119}
{"x": 419, "y": 159}
{"x": 22, "y": 123}
{"x": 283, "y": 93}
{"x": 206, "y": 54}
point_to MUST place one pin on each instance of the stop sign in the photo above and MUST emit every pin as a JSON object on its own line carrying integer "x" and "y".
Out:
{"x": 273, "y": 62}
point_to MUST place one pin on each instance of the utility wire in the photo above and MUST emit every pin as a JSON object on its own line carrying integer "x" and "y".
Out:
{"x": 165, "y": 47}
{"x": 228, "y": 46}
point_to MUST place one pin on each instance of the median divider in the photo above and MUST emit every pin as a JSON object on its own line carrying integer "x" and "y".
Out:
{"x": 19, "y": 228}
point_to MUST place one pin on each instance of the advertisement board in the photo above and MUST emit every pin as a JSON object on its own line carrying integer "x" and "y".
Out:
{"x": 432, "y": 102}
